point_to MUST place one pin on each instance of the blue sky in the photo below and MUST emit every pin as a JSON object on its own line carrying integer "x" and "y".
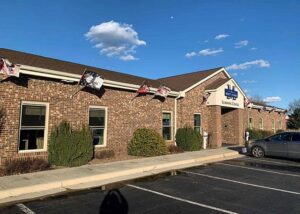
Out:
{"x": 259, "y": 40}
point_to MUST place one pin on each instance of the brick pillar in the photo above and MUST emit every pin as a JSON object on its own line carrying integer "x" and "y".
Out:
{"x": 239, "y": 126}
{"x": 215, "y": 127}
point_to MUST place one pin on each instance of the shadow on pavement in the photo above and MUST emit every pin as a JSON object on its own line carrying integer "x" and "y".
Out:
{"x": 114, "y": 202}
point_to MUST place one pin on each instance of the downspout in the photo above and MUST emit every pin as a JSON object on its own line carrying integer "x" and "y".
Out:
{"x": 175, "y": 114}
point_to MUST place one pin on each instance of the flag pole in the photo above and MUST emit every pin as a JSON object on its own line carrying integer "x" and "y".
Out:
{"x": 77, "y": 90}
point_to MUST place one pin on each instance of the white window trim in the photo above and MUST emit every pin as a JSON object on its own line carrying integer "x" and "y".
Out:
{"x": 46, "y": 104}
{"x": 262, "y": 123}
{"x": 280, "y": 124}
{"x": 250, "y": 125}
{"x": 200, "y": 121}
{"x": 172, "y": 137}
{"x": 105, "y": 123}
{"x": 273, "y": 125}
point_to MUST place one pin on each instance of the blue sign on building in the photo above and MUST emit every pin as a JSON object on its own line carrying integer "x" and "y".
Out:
{"x": 231, "y": 92}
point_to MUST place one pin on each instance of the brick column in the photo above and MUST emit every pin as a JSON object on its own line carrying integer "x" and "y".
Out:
{"x": 215, "y": 127}
{"x": 239, "y": 126}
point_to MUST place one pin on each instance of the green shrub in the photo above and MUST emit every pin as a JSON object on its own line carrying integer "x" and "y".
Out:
{"x": 20, "y": 166}
{"x": 188, "y": 140}
{"x": 147, "y": 143}
{"x": 70, "y": 148}
{"x": 256, "y": 134}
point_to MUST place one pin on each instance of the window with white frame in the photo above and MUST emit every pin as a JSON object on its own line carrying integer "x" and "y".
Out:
{"x": 250, "y": 123}
{"x": 33, "y": 131}
{"x": 261, "y": 123}
{"x": 167, "y": 126}
{"x": 273, "y": 125}
{"x": 97, "y": 124}
{"x": 197, "y": 123}
{"x": 280, "y": 124}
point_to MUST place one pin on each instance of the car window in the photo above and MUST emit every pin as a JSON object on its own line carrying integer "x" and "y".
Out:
{"x": 280, "y": 137}
{"x": 296, "y": 137}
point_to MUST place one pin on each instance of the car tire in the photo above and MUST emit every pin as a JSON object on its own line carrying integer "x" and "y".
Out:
{"x": 258, "y": 152}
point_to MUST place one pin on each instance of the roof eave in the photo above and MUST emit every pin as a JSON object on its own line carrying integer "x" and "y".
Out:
{"x": 48, "y": 73}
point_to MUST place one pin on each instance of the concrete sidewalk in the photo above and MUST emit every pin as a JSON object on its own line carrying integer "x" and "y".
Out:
{"x": 33, "y": 185}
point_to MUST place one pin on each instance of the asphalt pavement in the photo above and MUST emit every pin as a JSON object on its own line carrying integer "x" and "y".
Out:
{"x": 243, "y": 185}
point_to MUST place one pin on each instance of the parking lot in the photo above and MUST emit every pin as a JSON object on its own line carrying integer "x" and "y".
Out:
{"x": 244, "y": 185}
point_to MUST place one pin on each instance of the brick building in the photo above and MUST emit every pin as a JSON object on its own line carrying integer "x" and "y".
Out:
{"x": 40, "y": 99}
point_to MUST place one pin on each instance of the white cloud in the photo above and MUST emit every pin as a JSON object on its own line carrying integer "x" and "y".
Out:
{"x": 221, "y": 36}
{"x": 115, "y": 39}
{"x": 204, "y": 52}
{"x": 128, "y": 57}
{"x": 191, "y": 54}
{"x": 272, "y": 99}
{"x": 259, "y": 63}
{"x": 253, "y": 49}
{"x": 247, "y": 91}
{"x": 171, "y": 17}
{"x": 249, "y": 81}
{"x": 210, "y": 52}
{"x": 241, "y": 44}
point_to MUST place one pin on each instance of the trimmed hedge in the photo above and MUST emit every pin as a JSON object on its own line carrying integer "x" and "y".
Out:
{"x": 147, "y": 143}
{"x": 188, "y": 139}
{"x": 70, "y": 148}
{"x": 20, "y": 166}
{"x": 255, "y": 134}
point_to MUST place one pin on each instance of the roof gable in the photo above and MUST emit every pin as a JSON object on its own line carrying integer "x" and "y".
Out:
{"x": 184, "y": 81}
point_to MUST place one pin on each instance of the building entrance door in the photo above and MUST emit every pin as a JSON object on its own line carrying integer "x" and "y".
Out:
{"x": 232, "y": 126}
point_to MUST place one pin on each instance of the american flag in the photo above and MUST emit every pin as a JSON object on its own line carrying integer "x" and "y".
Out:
{"x": 8, "y": 68}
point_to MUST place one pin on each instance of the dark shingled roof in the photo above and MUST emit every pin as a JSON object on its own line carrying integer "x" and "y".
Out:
{"x": 177, "y": 83}
{"x": 18, "y": 57}
{"x": 216, "y": 84}
{"x": 184, "y": 81}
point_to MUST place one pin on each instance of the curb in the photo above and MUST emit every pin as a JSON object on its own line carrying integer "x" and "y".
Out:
{"x": 25, "y": 193}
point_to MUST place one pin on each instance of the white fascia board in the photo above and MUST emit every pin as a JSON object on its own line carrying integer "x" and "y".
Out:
{"x": 42, "y": 72}
{"x": 207, "y": 78}
{"x": 239, "y": 88}
{"x": 257, "y": 106}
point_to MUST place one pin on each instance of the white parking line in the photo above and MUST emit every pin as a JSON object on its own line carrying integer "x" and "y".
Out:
{"x": 181, "y": 199}
{"x": 239, "y": 182}
{"x": 268, "y": 161}
{"x": 261, "y": 170}
{"x": 25, "y": 209}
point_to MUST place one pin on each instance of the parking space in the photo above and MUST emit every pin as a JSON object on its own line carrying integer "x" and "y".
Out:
{"x": 244, "y": 185}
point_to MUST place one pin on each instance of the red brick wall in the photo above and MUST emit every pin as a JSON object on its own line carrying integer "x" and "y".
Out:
{"x": 193, "y": 103}
{"x": 267, "y": 118}
{"x": 126, "y": 112}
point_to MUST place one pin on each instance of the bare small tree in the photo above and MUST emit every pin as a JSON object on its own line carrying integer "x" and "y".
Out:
{"x": 257, "y": 99}
{"x": 294, "y": 105}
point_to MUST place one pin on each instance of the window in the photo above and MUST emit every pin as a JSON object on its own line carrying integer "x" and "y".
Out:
{"x": 296, "y": 137}
{"x": 167, "y": 126}
{"x": 97, "y": 123}
{"x": 261, "y": 123}
{"x": 197, "y": 123}
{"x": 281, "y": 137}
{"x": 33, "y": 131}
{"x": 280, "y": 124}
{"x": 273, "y": 125}
{"x": 250, "y": 123}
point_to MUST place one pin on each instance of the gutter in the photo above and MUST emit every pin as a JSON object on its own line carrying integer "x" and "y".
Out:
{"x": 181, "y": 94}
{"x": 48, "y": 73}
